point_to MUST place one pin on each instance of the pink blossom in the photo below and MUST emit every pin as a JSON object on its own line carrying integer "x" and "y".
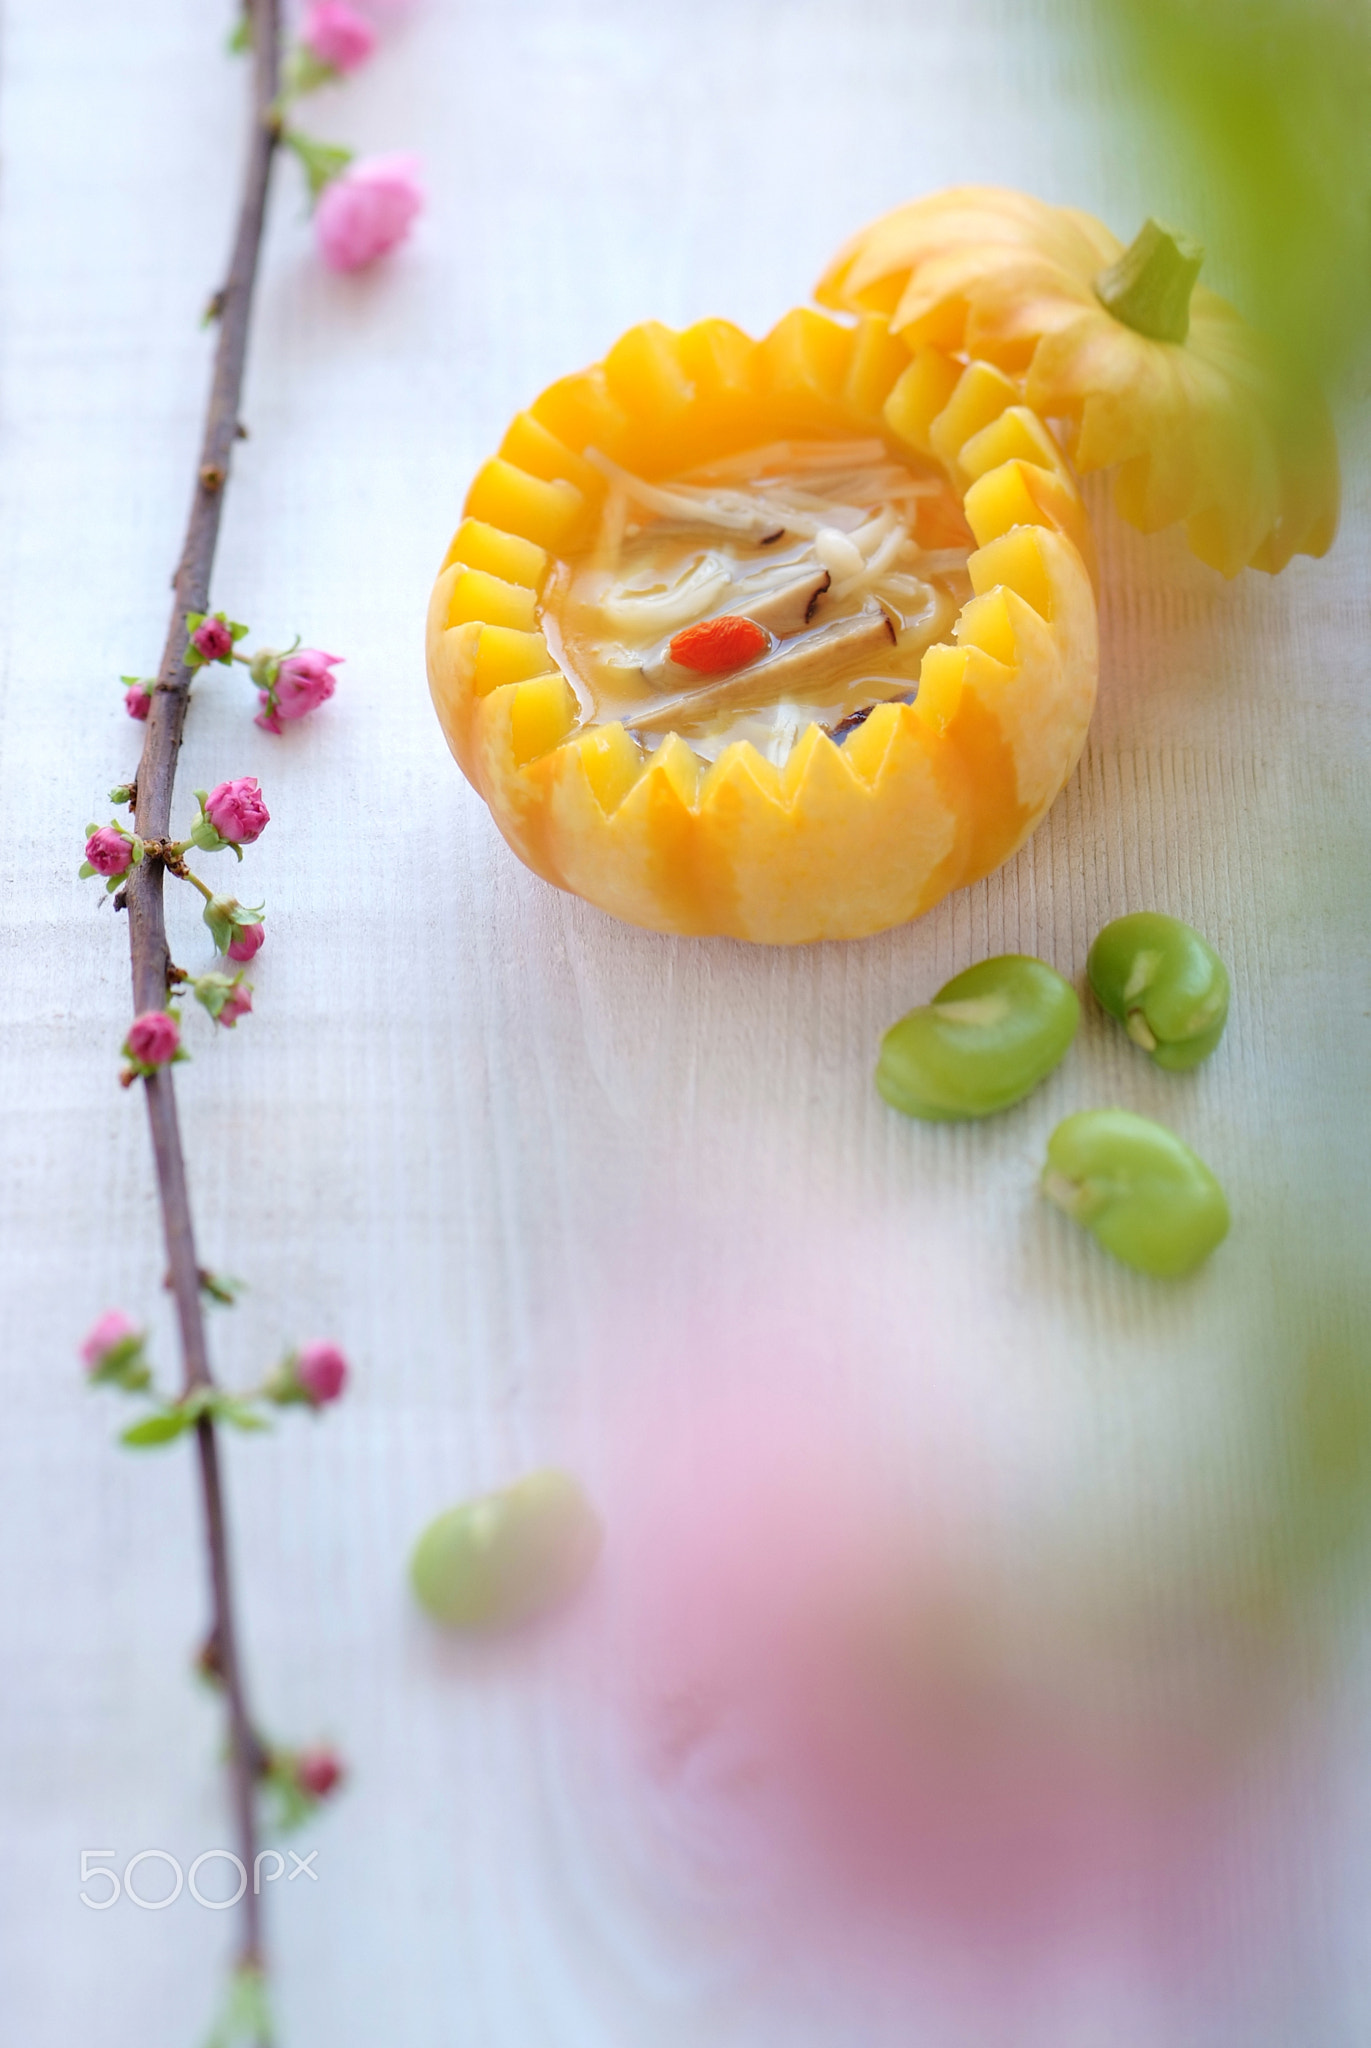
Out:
{"x": 236, "y": 811}
{"x": 317, "y": 1771}
{"x": 247, "y": 940}
{"x": 367, "y": 210}
{"x": 212, "y": 640}
{"x": 108, "y": 852}
{"x": 236, "y": 1004}
{"x": 104, "y": 1335}
{"x": 154, "y": 1038}
{"x": 321, "y": 1370}
{"x": 337, "y": 36}
{"x": 303, "y": 682}
{"x": 137, "y": 701}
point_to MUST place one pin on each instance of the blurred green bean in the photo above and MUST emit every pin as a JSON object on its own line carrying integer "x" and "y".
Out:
{"x": 501, "y": 1560}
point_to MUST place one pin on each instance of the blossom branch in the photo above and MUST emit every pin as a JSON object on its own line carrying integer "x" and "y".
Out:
{"x": 369, "y": 209}
{"x": 147, "y": 924}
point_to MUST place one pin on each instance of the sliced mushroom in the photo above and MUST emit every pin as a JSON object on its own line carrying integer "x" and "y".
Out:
{"x": 796, "y": 667}
{"x": 791, "y": 606}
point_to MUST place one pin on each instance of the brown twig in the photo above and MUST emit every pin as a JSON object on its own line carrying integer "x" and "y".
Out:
{"x": 147, "y": 924}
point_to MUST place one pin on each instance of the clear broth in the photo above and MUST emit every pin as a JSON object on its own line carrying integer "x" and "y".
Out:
{"x": 853, "y": 562}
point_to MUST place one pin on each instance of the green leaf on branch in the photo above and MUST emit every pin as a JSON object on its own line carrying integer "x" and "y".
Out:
{"x": 304, "y": 72}
{"x": 322, "y": 161}
{"x": 123, "y": 1365}
{"x": 281, "y": 1783}
{"x": 212, "y": 1404}
{"x": 238, "y": 1414}
{"x": 157, "y": 1429}
{"x": 245, "y": 2019}
{"x": 221, "y": 1287}
{"x": 225, "y": 914}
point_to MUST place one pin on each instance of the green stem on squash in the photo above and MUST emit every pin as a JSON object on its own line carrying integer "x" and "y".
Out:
{"x": 1149, "y": 288}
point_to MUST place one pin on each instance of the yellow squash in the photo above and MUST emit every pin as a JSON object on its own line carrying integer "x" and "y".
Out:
{"x": 1161, "y": 378}
{"x": 839, "y": 840}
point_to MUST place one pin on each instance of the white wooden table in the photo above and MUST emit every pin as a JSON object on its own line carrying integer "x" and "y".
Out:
{"x": 544, "y": 1175}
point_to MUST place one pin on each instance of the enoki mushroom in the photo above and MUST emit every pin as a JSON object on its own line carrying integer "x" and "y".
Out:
{"x": 746, "y": 600}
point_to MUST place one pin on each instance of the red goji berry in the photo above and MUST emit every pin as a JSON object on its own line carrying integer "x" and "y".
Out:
{"x": 718, "y": 644}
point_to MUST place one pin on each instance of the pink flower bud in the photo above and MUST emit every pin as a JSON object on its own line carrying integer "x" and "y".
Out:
{"x": 317, "y": 1771}
{"x": 137, "y": 701}
{"x": 248, "y": 940}
{"x": 236, "y": 1004}
{"x": 367, "y": 210}
{"x": 337, "y": 36}
{"x": 321, "y": 1370}
{"x": 154, "y": 1038}
{"x": 236, "y": 811}
{"x": 212, "y": 640}
{"x": 108, "y": 852}
{"x": 111, "y": 1330}
{"x": 304, "y": 681}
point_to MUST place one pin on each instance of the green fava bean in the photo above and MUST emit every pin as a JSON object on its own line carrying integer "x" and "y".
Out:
{"x": 496, "y": 1562}
{"x": 984, "y": 1042}
{"x": 1142, "y": 1192}
{"x": 1165, "y": 984}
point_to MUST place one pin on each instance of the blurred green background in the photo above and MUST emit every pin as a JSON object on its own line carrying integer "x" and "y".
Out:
{"x": 1264, "y": 106}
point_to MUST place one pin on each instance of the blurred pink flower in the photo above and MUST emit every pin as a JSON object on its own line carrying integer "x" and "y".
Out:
{"x": 212, "y": 640}
{"x": 368, "y": 210}
{"x": 317, "y": 1771}
{"x": 248, "y": 940}
{"x": 236, "y": 1004}
{"x": 137, "y": 701}
{"x": 154, "y": 1038}
{"x": 108, "y": 852}
{"x": 236, "y": 811}
{"x": 112, "y": 1329}
{"x": 321, "y": 1370}
{"x": 337, "y": 36}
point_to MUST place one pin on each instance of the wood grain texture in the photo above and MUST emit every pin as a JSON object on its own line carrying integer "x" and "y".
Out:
{"x": 542, "y": 1173}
